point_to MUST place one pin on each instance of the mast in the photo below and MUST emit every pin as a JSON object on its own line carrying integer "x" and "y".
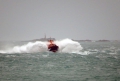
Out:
{"x": 45, "y": 36}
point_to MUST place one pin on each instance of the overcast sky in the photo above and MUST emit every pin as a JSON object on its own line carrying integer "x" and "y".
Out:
{"x": 75, "y": 19}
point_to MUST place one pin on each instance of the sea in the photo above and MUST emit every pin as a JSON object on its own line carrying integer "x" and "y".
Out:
{"x": 75, "y": 61}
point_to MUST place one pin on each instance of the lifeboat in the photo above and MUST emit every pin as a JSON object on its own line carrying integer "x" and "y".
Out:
{"x": 52, "y": 47}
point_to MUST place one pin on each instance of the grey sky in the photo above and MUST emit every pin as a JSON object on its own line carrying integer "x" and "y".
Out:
{"x": 76, "y": 19}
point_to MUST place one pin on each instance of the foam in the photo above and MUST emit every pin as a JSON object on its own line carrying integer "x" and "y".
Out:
{"x": 65, "y": 46}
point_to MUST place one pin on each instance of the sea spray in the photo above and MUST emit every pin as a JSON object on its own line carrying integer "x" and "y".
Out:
{"x": 68, "y": 46}
{"x": 65, "y": 46}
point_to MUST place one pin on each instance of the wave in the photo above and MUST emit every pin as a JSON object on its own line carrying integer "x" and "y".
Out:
{"x": 65, "y": 46}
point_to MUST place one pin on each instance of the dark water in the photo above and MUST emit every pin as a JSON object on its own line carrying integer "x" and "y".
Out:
{"x": 101, "y": 64}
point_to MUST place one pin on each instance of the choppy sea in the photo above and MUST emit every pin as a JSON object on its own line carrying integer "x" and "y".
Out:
{"x": 75, "y": 61}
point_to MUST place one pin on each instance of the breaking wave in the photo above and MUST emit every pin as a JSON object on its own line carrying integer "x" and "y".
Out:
{"x": 65, "y": 46}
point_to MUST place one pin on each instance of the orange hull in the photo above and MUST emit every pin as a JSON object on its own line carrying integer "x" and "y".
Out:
{"x": 52, "y": 47}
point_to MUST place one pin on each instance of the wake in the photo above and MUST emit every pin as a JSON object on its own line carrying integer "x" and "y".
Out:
{"x": 65, "y": 46}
